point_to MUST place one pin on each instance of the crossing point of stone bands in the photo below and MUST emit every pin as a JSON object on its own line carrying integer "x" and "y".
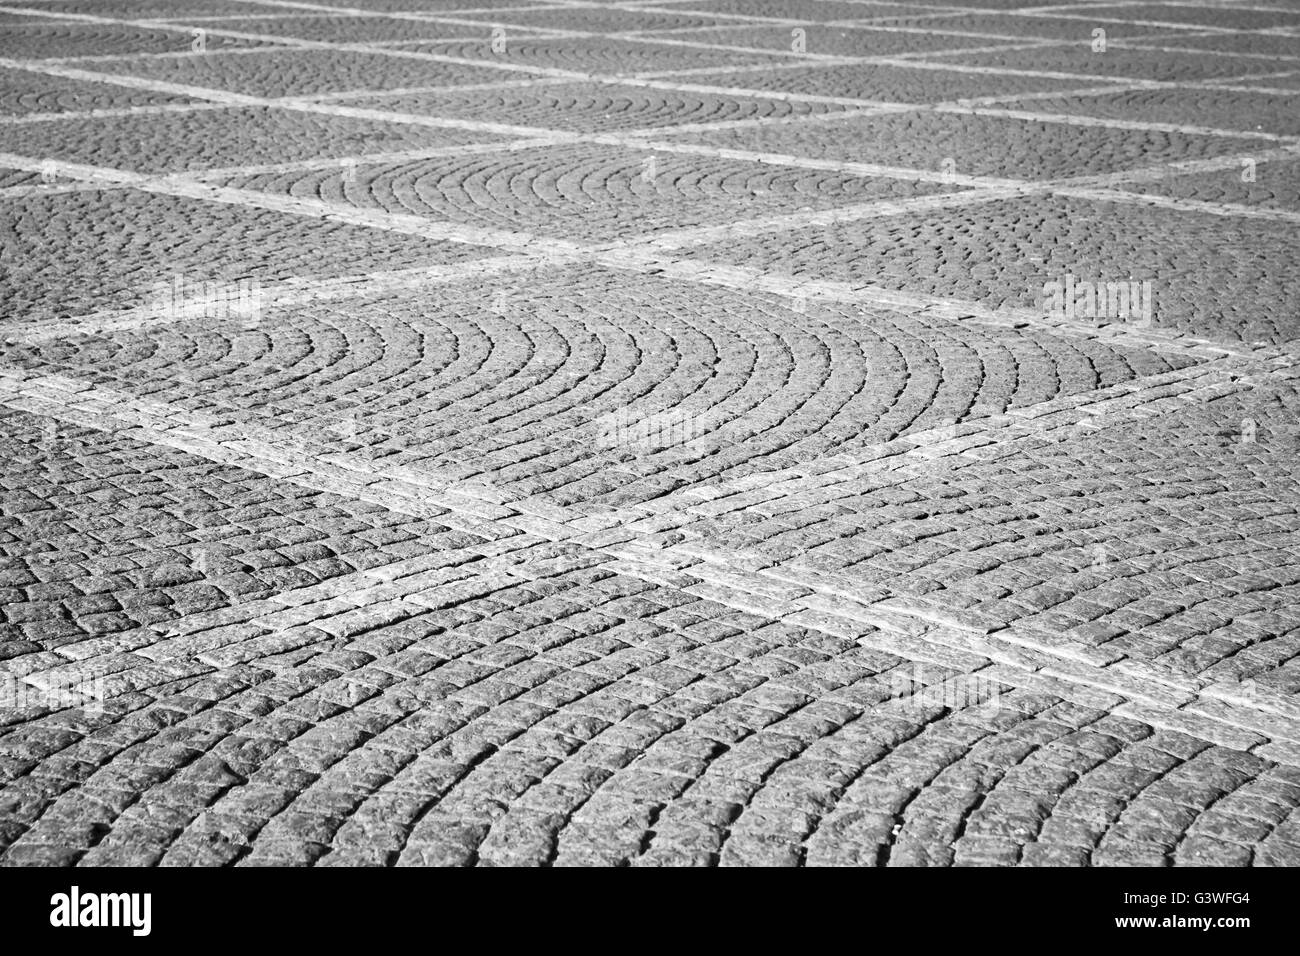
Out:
{"x": 738, "y": 432}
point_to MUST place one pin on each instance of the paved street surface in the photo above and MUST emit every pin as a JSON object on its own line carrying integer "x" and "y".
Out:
{"x": 687, "y": 432}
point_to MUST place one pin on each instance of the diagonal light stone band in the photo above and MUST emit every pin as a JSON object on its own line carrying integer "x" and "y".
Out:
{"x": 1268, "y": 725}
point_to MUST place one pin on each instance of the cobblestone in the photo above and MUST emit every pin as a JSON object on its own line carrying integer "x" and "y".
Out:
{"x": 501, "y": 432}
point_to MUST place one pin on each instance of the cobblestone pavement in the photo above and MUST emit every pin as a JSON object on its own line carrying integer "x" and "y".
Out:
{"x": 699, "y": 432}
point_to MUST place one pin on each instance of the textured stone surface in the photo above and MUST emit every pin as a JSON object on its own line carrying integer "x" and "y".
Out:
{"x": 505, "y": 432}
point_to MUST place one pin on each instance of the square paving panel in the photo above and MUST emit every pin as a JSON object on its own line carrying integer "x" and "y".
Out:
{"x": 977, "y": 145}
{"x": 592, "y": 107}
{"x": 830, "y": 40}
{"x": 601, "y": 55}
{"x": 818, "y": 11}
{"x": 1227, "y": 278}
{"x": 595, "y": 387}
{"x": 207, "y": 139}
{"x": 41, "y": 39}
{"x": 596, "y": 19}
{"x": 85, "y": 252}
{"x": 1205, "y": 107}
{"x": 1017, "y": 28}
{"x": 1269, "y": 185}
{"x": 894, "y": 82}
{"x": 304, "y": 72}
{"x": 587, "y": 193}
{"x": 1078, "y": 59}
{"x": 358, "y": 29}
{"x": 23, "y": 92}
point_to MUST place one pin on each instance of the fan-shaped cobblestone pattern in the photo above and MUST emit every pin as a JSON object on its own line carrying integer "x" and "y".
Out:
{"x": 982, "y": 145}
{"x": 304, "y": 72}
{"x": 1046, "y": 28}
{"x": 515, "y": 392}
{"x": 894, "y": 82}
{"x": 23, "y": 93}
{"x": 1117, "y": 62}
{"x": 1206, "y": 272}
{"x": 336, "y": 29}
{"x": 136, "y": 240}
{"x": 592, "y": 19}
{"x": 442, "y": 830}
{"x": 585, "y": 193}
{"x": 1179, "y": 551}
{"x": 821, "y": 12}
{"x": 1203, "y": 107}
{"x": 1260, "y": 185}
{"x": 426, "y": 7}
{"x": 587, "y": 55}
{"x": 45, "y": 39}
{"x": 626, "y": 723}
{"x": 651, "y": 470}
{"x": 829, "y": 40}
{"x": 595, "y": 108}
{"x": 222, "y": 138}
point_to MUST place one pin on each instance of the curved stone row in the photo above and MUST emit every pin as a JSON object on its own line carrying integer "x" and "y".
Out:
{"x": 590, "y": 194}
{"x": 221, "y": 138}
{"x": 1174, "y": 540}
{"x": 600, "y": 719}
{"x": 308, "y": 72}
{"x": 1208, "y": 276}
{"x": 79, "y": 254}
{"x": 33, "y": 38}
{"x": 23, "y": 93}
{"x": 630, "y": 385}
{"x": 585, "y": 55}
{"x": 592, "y": 107}
{"x": 1274, "y": 186}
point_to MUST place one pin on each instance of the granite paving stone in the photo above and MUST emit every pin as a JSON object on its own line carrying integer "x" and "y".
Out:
{"x": 721, "y": 433}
